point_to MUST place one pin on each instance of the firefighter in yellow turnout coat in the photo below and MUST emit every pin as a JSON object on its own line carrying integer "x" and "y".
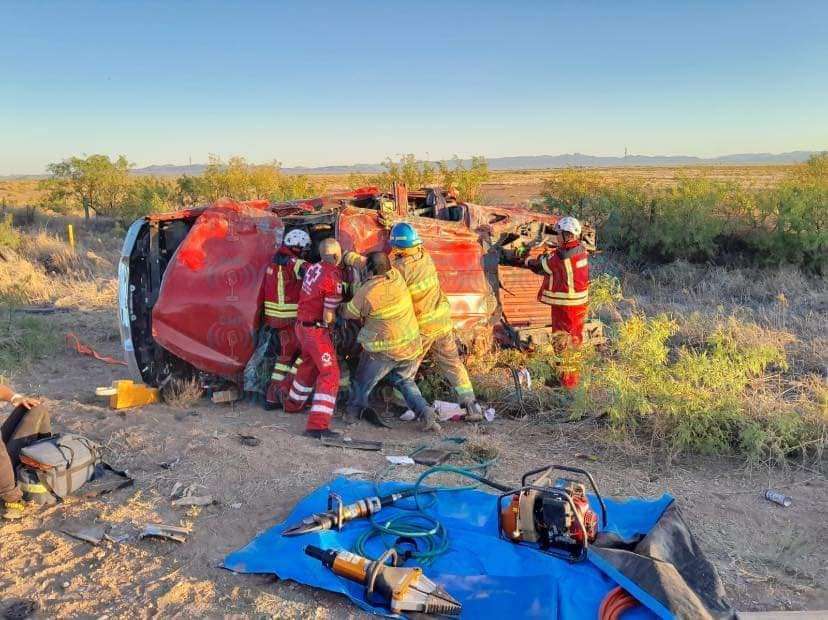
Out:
{"x": 432, "y": 310}
{"x": 390, "y": 341}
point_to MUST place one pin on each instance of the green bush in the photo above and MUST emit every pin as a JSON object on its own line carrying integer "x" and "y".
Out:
{"x": 455, "y": 176}
{"x": 699, "y": 398}
{"x": 9, "y": 237}
{"x": 701, "y": 220}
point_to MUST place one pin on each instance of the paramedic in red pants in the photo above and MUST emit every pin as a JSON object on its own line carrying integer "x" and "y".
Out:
{"x": 565, "y": 286}
{"x": 320, "y": 296}
{"x": 283, "y": 282}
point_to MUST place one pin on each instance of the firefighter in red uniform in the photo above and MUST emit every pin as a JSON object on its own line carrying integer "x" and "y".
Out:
{"x": 319, "y": 298}
{"x": 283, "y": 282}
{"x": 565, "y": 287}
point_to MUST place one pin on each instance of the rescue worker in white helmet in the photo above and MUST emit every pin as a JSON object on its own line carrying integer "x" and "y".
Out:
{"x": 431, "y": 307}
{"x": 565, "y": 287}
{"x": 282, "y": 285}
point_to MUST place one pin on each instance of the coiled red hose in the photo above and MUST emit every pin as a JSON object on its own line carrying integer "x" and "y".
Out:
{"x": 616, "y": 603}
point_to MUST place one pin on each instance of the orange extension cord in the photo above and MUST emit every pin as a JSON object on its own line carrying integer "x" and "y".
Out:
{"x": 616, "y": 603}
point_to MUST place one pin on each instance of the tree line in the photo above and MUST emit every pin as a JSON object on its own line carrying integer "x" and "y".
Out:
{"x": 100, "y": 185}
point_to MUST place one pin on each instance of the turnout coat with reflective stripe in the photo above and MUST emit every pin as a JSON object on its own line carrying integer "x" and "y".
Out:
{"x": 430, "y": 304}
{"x": 390, "y": 326}
{"x": 566, "y": 276}
{"x": 282, "y": 285}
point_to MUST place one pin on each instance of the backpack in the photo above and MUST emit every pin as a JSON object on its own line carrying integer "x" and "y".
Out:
{"x": 61, "y": 463}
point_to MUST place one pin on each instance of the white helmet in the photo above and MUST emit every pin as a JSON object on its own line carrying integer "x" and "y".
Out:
{"x": 297, "y": 238}
{"x": 569, "y": 224}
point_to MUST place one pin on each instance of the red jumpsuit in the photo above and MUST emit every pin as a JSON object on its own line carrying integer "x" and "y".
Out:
{"x": 321, "y": 290}
{"x": 565, "y": 290}
{"x": 283, "y": 282}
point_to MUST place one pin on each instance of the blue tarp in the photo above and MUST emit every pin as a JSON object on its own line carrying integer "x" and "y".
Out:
{"x": 491, "y": 577}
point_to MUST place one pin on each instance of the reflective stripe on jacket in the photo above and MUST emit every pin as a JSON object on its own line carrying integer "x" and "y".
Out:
{"x": 390, "y": 326}
{"x": 430, "y": 304}
{"x": 282, "y": 285}
{"x": 566, "y": 276}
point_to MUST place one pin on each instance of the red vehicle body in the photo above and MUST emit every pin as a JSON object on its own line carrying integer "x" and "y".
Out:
{"x": 190, "y": 282}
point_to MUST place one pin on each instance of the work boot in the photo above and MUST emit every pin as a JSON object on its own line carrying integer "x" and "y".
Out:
{"x": 273, "y": 402}
{"x": 350, "y": 417}
{"x": 474, "y": 412}
{"x": 324, "y": 433}
{"x": 428, "y": 421}
{"x": 14, "y": 510}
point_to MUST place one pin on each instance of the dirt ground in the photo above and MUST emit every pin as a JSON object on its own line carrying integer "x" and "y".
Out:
{"x": 769, "y": 557}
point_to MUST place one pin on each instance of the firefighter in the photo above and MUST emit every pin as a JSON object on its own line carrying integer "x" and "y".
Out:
{"x": 319, "y": 298}
{"x": 283, "y": 282}
{"x": 431, "y": 309}
{"x": 565, "y": 287}
{"x": 390, "y": 340}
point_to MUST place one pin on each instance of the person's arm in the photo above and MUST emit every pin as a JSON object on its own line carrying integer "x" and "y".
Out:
{"x": 356, "y": 308}
{"x": 333, "y": 297}
{"x": 8, "y": 395}
{"x": 354, "y": 259}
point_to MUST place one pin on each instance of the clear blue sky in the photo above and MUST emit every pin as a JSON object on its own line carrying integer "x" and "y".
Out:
{"x": 314, "y": 83}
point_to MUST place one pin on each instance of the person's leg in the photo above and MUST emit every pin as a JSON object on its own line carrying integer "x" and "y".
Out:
{"x": 21, "y": 428}
{"x": 371, "y": 369}
{"x": 281, "y": 377}
{"x": 570, "y": 320}
{"x": 8, "y": 487}
{"x": 291, "y": 354}
{"x": 327, "y": 383}
{"x": 402, "y": 378}
{"x": 302, "y": 384}
{"x": 35, "y": 423}
{"x": 447, "y": 358}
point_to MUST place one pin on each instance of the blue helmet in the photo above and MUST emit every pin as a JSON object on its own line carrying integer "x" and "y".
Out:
{"x": 403, "y": 235}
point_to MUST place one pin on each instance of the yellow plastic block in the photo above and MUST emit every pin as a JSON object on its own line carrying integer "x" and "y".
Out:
{"x": 125, "y": 394}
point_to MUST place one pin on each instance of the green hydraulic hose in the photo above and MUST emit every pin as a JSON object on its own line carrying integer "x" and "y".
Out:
{"x": 415, "y": 523}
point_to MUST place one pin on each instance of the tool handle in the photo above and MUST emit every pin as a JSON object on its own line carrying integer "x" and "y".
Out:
{"x": 326, "y": 556}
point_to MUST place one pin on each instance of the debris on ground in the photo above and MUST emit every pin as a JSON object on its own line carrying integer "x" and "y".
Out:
{"x": 251, "y": 441}
{"x": 88, "y": 533}
{"x": 355, "y": 444}
{"x": 349, "y": 471}
{"x": 226, "y": 396}
{"x": 167, "y": 532}
{"x": 194, "y": 500}
{"x": 401, "y": 459}
{"x": 778, "y": 498}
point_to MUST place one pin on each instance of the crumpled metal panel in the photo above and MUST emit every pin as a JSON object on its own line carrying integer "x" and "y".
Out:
{"x": 519, "y": 298}
{"x": 209, "y": 305}
{"x": 456, "y": 252}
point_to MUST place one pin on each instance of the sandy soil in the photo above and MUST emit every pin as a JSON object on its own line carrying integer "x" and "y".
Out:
{"x": 769, "y": 557}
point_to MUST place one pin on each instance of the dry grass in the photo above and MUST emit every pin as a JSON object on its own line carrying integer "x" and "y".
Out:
{"x": 182, "y": 393}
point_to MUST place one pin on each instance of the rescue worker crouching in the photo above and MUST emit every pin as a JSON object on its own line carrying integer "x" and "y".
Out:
{"x": 320, "y": 296}
{"x": 283, "y": 283}
{"x": 431, "y": 307}
{"x": 390, "y": 339}
{"x": 565, "y": 287}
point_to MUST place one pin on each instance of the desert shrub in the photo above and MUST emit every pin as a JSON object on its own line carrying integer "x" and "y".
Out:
{"x": 9, "y": 237}
{"x": 240, "y": 180}
{"x": 701, "y": 220}
{"x": 455, "y": 176}
{"x": 148, "y": 195}
{"x": 698, "y": 396}
{"x": 23, "y": 339}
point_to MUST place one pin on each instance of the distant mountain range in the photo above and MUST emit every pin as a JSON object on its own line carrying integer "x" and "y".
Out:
{"x": 521, "y": 162}
{"x": 535, "y": 162}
